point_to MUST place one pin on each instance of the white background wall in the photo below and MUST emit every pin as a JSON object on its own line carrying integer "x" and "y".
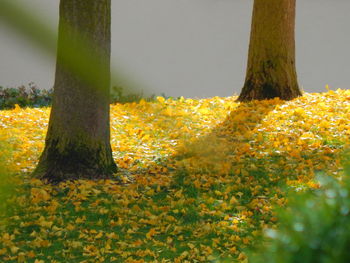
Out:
{"x": 194, "y": 48}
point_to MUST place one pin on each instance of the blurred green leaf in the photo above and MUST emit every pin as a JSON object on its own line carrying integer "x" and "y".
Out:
{"x": 315, "y": 227}
{"x": 6, "y": 184}
{"x": 79, "y": 57}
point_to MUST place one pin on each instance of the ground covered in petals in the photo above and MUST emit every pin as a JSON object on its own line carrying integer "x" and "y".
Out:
{"x": 199, "y": 179}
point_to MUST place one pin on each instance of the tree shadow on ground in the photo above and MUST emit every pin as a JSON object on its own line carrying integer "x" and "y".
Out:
{"x": 227, "y": 143}
{"x": 225, "y": 147}
{"x": 217, "y": 184}
{"x": 225, "y": 184}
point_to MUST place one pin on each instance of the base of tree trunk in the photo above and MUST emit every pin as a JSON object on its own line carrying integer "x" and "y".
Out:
{"x": 252, "y": 91}
{"x": 75, "y": 162}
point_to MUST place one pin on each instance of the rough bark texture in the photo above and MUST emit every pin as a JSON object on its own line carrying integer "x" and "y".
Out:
{"x": 78, "y": 138}
{"x": 271, "y": 68}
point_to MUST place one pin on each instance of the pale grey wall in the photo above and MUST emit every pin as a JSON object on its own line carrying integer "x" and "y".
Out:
{"x": 195, "y": 48}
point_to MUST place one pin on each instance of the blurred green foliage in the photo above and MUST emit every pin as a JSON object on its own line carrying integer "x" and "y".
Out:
{"x": 30, "y": 96}
{"x": 314, "y": 228}
{"x": 118, "y": 95}
{"x": 7, "y": 185}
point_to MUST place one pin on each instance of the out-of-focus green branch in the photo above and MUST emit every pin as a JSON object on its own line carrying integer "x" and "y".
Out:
{"x": 79, "y": 57}
{"x": 28, "y": 25}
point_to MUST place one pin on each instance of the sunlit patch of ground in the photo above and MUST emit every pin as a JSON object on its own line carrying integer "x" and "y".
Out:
{"x": 205, "y": 177}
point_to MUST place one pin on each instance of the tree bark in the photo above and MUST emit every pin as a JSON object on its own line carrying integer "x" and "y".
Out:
{"x": 271, "y": 70}
{"x": 78, "y": 138}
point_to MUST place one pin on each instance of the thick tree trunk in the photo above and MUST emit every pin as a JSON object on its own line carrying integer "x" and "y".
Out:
{"x": 78, "y": 138}
{"x": 271, "y": 68}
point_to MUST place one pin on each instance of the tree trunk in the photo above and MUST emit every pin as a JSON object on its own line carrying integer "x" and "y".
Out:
{"x": 78, "y": 138}
{"x": 271, "y": 68}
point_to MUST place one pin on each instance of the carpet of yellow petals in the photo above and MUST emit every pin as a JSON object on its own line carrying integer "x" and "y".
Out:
{"x": 201, "y": 177}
